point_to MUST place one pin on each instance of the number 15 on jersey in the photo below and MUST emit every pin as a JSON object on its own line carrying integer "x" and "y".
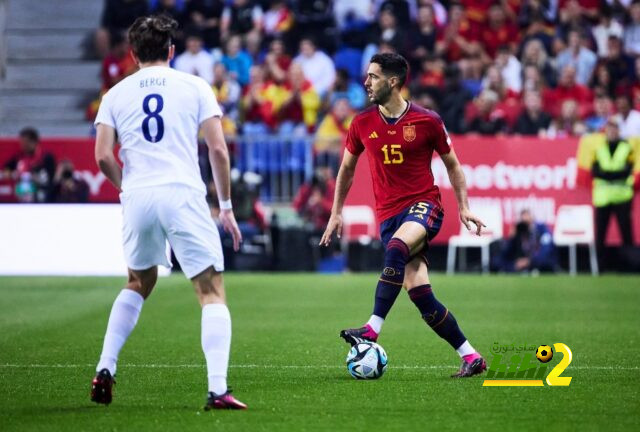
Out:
{"x": 392, "y": 154}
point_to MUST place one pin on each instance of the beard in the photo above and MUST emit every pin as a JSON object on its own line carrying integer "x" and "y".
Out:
{"x": 382, "y": 96}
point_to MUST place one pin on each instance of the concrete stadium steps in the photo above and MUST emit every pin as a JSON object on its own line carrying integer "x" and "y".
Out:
{"x": 38, "y": 100}
{"x": 48, "y": 84}
{"x": 36, "y": 115}
{"x": 47, "y": 45}
{"x": 52, "y": 76}
{"x": 57, "y": 14}
{"x": 55, "y": 128}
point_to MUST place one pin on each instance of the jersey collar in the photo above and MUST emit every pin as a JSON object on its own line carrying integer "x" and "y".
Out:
{"x": 406, "y": 110}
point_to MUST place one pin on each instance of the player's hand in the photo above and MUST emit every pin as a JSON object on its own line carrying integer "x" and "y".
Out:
{"x": 466, "y": 217}
{"x": 334, "y": 224}
{"x": 228, "y": 221}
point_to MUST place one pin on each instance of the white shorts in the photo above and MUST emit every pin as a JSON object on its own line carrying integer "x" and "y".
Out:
{"x": 177, "y": 213}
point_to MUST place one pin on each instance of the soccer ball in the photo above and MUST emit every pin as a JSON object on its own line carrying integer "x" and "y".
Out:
{"x": 366, "y": 360}
{"x": 544, "y": 353}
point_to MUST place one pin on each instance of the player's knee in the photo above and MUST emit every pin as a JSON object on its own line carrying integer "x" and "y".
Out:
{"x": 396, "y": 258}
{"x": 136, "y": 285}
{"x": 397, "y": 254}
{"x": 209, "y": 287}
{"x": 142, "y": 282}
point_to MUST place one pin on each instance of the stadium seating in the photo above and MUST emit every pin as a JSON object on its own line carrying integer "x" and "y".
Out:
{"x": 492, "y": 217}
{"x": 574, "y": 226}
{"x": 355, "y": 215}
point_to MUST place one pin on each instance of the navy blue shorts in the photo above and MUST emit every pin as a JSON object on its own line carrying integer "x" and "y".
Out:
{"x": 425, "y": 213}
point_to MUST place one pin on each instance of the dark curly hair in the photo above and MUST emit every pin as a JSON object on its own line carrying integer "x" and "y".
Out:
{"x": 150, "y": 37}
{"x": 392, "y": 65}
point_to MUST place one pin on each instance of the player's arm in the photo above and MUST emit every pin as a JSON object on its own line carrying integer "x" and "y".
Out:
{"x": 456, "y": 177}
{"x": 219, "y": 158}
{"x": 105, "y": 140}
{"x": 343, "y": 184}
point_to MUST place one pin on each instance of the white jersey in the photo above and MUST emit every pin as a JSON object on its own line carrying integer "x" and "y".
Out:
{"x": 157, "y": 113}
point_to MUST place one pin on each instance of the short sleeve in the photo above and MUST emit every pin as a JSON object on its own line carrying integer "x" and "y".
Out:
{"x": 208, "y": 104}
{"x": 353, "y": 144}
{"x": 105, "y": 112}
{"x": 442, "y": 142}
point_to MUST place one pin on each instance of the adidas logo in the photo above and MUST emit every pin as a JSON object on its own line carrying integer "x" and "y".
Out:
{"x": 373, "y": 134}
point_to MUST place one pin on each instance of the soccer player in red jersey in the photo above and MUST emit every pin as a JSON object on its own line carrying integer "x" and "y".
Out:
{"x": 400, "y": 138}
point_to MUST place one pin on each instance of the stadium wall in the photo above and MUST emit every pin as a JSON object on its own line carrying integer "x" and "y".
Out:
{"x": 514, "y": 173}
{"x": 73, "y": 240}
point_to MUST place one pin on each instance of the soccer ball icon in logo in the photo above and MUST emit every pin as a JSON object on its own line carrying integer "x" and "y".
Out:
{"x": 366, "y": 360}
{"x": 544, "y": 353}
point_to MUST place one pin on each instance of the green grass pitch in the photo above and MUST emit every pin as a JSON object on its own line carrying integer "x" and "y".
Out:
{"x": 287, "y": 362}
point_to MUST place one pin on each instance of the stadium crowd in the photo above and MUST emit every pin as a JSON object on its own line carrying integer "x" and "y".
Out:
{"x": 549, "y": 68}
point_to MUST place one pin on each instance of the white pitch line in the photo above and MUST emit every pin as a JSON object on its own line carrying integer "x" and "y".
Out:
{"x": 256, "y": 366}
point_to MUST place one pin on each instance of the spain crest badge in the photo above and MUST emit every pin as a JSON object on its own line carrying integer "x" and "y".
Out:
{"x": 409, "y": 133}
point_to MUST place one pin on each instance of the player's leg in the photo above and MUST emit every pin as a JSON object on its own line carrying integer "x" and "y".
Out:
{"x": 439, "y": 318}
{"x": 399, "y": 242}
{"x": 215, "y": 338}
{"x": 122, "y": 320}
{"x": 144, "y": 246}
{"x": 196, "y": 243}
{"x": 387, "y": 289}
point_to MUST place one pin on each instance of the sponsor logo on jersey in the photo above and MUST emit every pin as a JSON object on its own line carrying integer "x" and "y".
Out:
{"x": 373, "y": 134}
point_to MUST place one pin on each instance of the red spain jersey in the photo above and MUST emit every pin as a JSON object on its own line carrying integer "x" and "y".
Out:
{"x": 400, "y": 156}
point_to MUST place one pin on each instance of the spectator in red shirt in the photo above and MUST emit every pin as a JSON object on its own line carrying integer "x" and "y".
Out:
{"x": 458, "y": 39}
{"x": 432, "y": 73}
{"x": 568, "y": 89}
{"x": 314, "y": 200}
{"x": 298, "y": 109}
{"x": 498, "y": 32}
{"x": 277, "y": 61}
{"x": 30, "y": 158}
{"x": 476, "y": 11}
{"x": 487, "y": 120}
{"x": 257, "y": 108}
{"x": 32, "y": 166}
{"x": 118, "y": 64}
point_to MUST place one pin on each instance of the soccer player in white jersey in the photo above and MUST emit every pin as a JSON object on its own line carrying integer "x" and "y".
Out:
{"x": 156, "y": 114}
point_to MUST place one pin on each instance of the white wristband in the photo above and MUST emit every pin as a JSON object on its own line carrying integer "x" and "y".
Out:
{"x": 225, "y": 205}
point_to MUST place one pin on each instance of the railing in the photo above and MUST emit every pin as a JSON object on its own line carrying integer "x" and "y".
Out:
{"x": 284, "y": 162}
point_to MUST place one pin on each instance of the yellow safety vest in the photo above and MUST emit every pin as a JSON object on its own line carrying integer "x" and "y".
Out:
{"x": 607, "y": 192}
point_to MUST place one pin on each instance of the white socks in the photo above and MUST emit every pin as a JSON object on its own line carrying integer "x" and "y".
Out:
{"x": 124, "y": 316}
{"x": 376, "y": 323}
{"x": 216, "y": 342}
{"x": 465, "y": 349}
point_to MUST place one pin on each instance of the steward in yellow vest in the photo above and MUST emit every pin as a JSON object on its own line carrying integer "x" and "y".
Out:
{"x": 613, "y": 184}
